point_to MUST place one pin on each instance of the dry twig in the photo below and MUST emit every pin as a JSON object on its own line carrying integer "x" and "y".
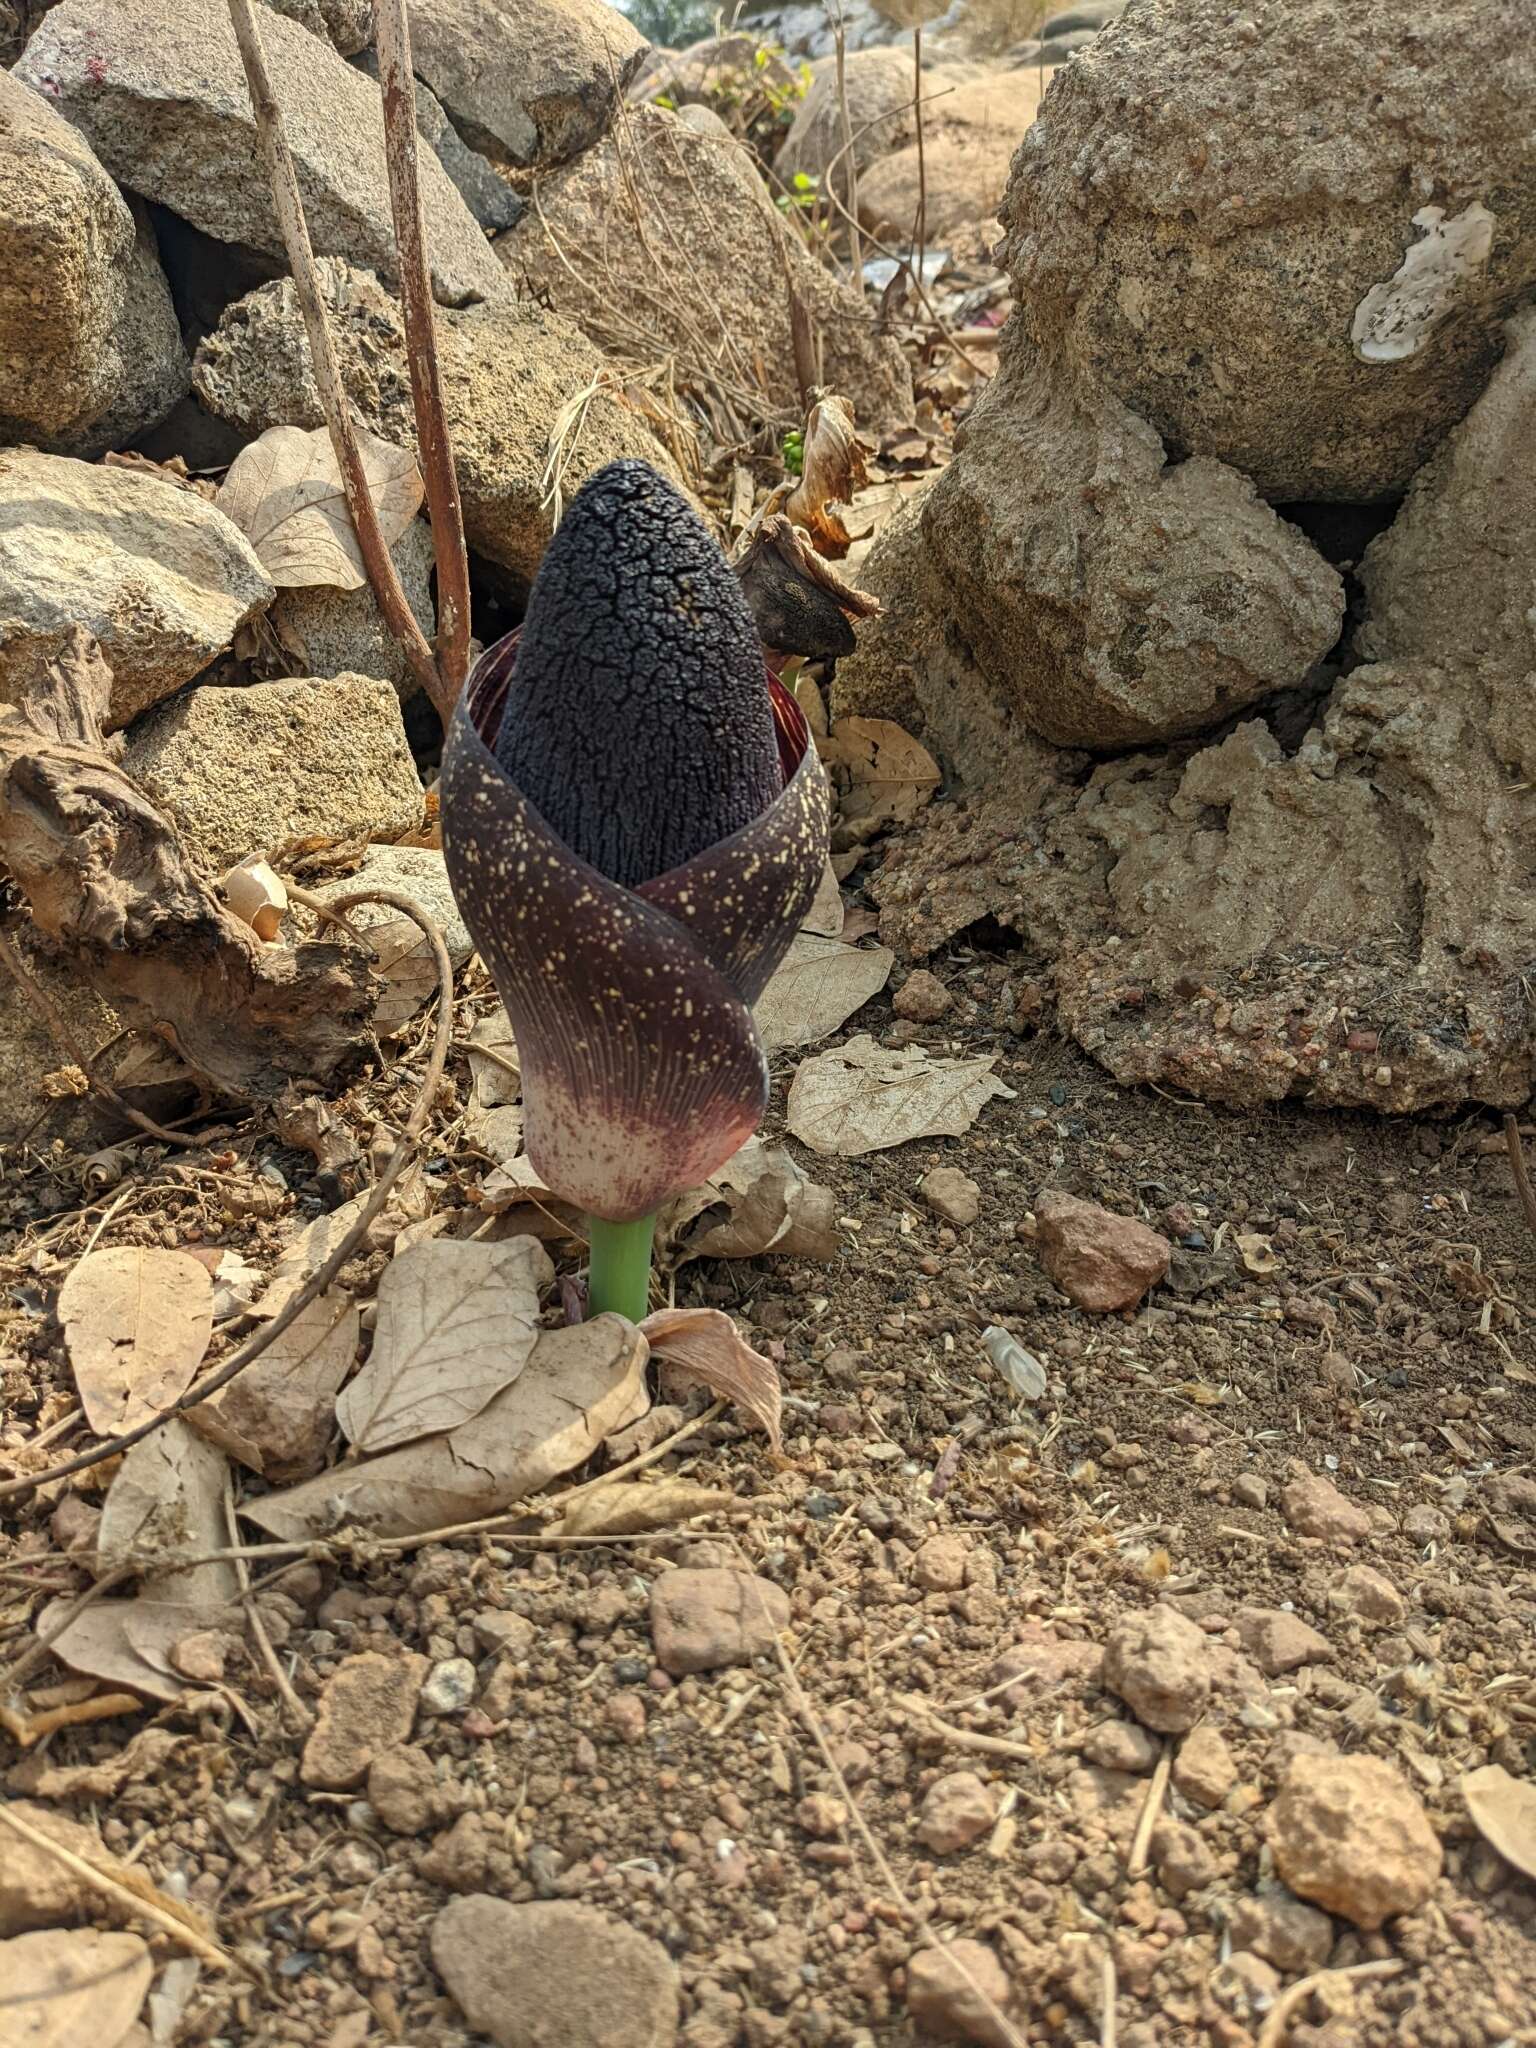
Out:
{"x": 1136, "y": 1861}
{"x": 1289, "y": 2003}
{"x": 1517, "y": 1167}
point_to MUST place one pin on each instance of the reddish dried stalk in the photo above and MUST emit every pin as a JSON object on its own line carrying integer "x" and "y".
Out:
{"x": 289, "y": 206}
{"x": 401, "y": 143}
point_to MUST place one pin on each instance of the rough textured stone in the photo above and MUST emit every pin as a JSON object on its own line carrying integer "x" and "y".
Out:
{"x": 244, "y": 770}
{"x": 1349, "y": 1834}
{"x": 1239, "y": 331}
{"x": 704, "y": 1618}
{"x": 493, "y": 202}
{"x": 952, "y": 1195}
{"x": 1205, "y": 1769}
{"x": 969, "y": 139}
{"x": 157, "y": 574}
{"x": 879, "y": 88}
{"x": 160, "y": 94}
{"x": 90, "y": 350}
{"x": 416, "y": 871}
{"x": 551, "y": 1974}
{"x": 367, "y": 1707}
{"x": 1112, "y": 596}
{"x": 403, "y": 1790}
{"x": 939, "y": 1566}
{"x": 1314, "y": 1506}
{"x": 957, "y": 1810}
{"x": 36, "y": 1889}
{"x": 1279, "y": 1642}
{"x": 1039, "y": 1661}
{"x": 1099, "y": 1260}
{"x": 705, "y": 215}
{"x": 942, "y": 1993}
{"x": 507, "y": 369}
{"x": 1159, "y": 1664}
{"x": 532, "y": 82}
{"x": 328, "y": 632}
{"x": 1292, "y": 1936}
{"x": 922, "y": 998}
{"x": 1368, "y": 1595}
{"x": 75, "y": 1984}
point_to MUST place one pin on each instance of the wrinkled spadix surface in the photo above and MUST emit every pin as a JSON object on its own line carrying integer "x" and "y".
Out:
{"x": 642, "y": 1069}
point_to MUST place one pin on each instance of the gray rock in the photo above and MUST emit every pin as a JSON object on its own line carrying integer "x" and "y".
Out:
{"x": 332, "y": 632}
{"x": 346, "y": 24}
{"x": 89, "y": 342}
{"x": 243, "y": 771}
{"x": 159, "y": 92}
{"x": 1058, "y": 48}
{"x": 415, "y": 871}
{"x": 155, "y": 572}
{"x": 508, "y": 369}
{"x": 1093, "y": 15}
{"x": 1321, "y": 335}
{"x": 879, "y": 88}
{"x": 489, "y": 198}
{"x": 530, "y": 82}
{"x": 530, "y": 1976}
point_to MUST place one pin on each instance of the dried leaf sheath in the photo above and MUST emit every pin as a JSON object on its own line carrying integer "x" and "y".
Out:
{"x": 642, "y": 1067}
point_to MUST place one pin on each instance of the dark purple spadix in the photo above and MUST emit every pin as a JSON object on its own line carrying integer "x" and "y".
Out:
{"x": 638, "y": 720}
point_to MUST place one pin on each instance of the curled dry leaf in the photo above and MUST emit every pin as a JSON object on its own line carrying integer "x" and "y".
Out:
{"x": 126, "y": 1643}
{"x": 760, "y": 1201}
{"x": 630, "y": 1508}
{"x": 307, "y": 1254}
{"x": 826, "y": 915}
{"x": 456, "y": 1324}
{"x": 800, "y": 603}
{"x": 496, "y": 1132}
{"x": 517, "y": 1184}
{"x": 1503, "y": 1810}
{"x": 256, "y": 894}
{"x": 817, "y": 988}
{"x": 403, "y": 962}
{"x": 831, "y": 472}
{"x": 889, "y": 775}
{"x": 65, "y": 1986}
{"x": 136, "y": 1325}
{"x": 704, "y": 1345}
{"x": 167, "y": 1499}
{"x": 580, "y": 1385}
{"x": 860, "y": 1098}
{"x": 285, "y": 494}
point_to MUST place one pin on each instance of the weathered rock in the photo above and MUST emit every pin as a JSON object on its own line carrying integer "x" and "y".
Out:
{"x": 508, "y": 369}
{"x": 922, "y": 998}
{"x": 1455, "y": 571}
{"x": 1111, "y": 596}
{"x": 415, "y": 871}
{"x": 1323, "y": 335}
{"x": 879, "y": 88}
{"x": 734, "y": 65}
{"x": 1279, "y": 1642}
{"x": 90, "y": 348}
{"x": 942, "y": 1993}
{"x": 367, "y": 1707}
{"x": 1183, "y": 1856}
{"x": 244, "y": 770}
{"x": 939, "y": 1566}
{"x": 703, "y": 214}
{"x": 1159, "y": 1664}
{"x": 160, "y": 94}
{"x": 952, "y": 1195}
{"x": 1368, "y": 1595}
{"x": 704, "y": 1618}
{"x": 157, "y": 574}
{"x": 493, "y": 202}
{"x": 1283, "y": 1931}
{"x": 346, "y": 24}
{"x": 1099, "y": 1260}
{"x": 328, "y": 632}
{"x": 1205, "y": 1769}
{"x": 549, "y": 1973}
{"x": 1122, "y": 1746}
{"x": 1349, "y": 1834}
{"x": 957, "y": 1810}
{"x": 38, "y": 1890}
{"x": 1314, "y": 1506}
{"x": 969, "y": 140}
{"x": 531, "y": 82}
{"x": 1040, "y": 1661}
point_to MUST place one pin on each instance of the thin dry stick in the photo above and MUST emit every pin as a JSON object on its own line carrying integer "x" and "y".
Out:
{"x": 401, "y": 143}
{"x": 812, "y": 1721}
{"x": 289, "y": 207}
{"x": 1136, "y": 1861}
{"x": 59, "y": 1031}
{"x": 920, "y": 224}
{"x": 855, "y": 246}
{"x": 965, "y": 1738}
{"x": 1517, "y": 1167}
{"x": 300, "y": 1714}
{"x": 1109, "y": 1993}
{"x": 1289, "y": 2003}
{"x": 319, "y": 1281}
{"x": 135, "y": 1901}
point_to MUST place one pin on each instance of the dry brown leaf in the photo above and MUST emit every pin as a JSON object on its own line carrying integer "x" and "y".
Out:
{"x": 630, "y": 1508}
{"x": 819, "y": 985}
{"x": 285, "y": 494}
{"x": 831, "y": 472}
{"x": 456, "y": 1324}
{"x": 496, "y": 1132}
{"x": 136, "y": 1325}
{"x": 126, "y": 1642}
{"x": 516, "y": 1184}
{"x": 69, "y": 1986}
{"x": 580, "y": 1385}
{"x": 277, "y": 1416}
{"x": 493, "y": 1084}
{"x": 1503, "y": 1809}
{"x": 39, "y": 1777}
{"x": 890, "y": 774}
{"x": 759, "y": 1201}
{"x": 167, "y": 1499}
{"x": 404, "y": 963}
{"x": 861, "y": 1098}
{"x": 703, "y": 1344}
{"x": 307, "y": 1254}
{"x": 826, "y": 914}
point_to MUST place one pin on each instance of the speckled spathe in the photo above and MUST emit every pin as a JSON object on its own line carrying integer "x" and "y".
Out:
{"x": 642, "y": 1067}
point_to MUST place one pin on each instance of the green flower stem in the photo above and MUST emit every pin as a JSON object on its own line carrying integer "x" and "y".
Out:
{"x": 619, "y": 1277}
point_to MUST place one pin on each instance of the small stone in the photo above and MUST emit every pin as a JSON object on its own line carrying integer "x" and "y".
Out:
{"x": 702, "y": 1620}
{"x": 1294, "y": 1937}
{"x": 1159, "y": 1664}
{"x": 1249, "y": 1490}
{"x": 368, "y": 1706}
{"x": 1205, "y": 1769}
{"x": 1183, "y": 1857}
{"x": 202, "y": 1656}
{"x": 1367, "y": 1595}
{"x": 939, "y": 1566}
{"x": 1121, "y": 1746}
{"x": 450, "y": 1686}
{"x": 922, "y": 998}
{"x": 510, "y": 1635}
{"x": 1349, "y": 1834}
{"x": 403, "y": 1790}
{"x": 1314, "y": 1506}
{"x": 1040, "y": 1661}
{"x": 1424, "y": 1524}
{"x": 75, "y": 1525}
{"x": 39, "y": 1890}
{"x": 958, "y": 1809}
{"x": 776, "y": 1965}
{"x": 624, "y": 1717}
{"x": 534, "y": 1975}
{"x": 952, "y": 1195}
{"x": 1279, "y": 1642}
{"x": 942, "y": 1998}
{"x": 1245, "y": 1984}
{"x": 1099, "y": 1260}
{"x": 820, "y": 1815}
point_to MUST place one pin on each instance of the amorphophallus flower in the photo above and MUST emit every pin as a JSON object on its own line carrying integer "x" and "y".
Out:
{"x": 635, "y": 823}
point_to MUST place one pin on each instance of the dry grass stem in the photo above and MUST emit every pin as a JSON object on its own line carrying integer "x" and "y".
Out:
{"x": 1157, "y": 1789}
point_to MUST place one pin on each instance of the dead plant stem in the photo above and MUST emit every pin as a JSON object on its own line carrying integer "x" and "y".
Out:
{"x": 920, "y": 224}
{"x": 855, "y": 245}
{"x": 1290, "y": 2002}
{"x": 1152, "y": 1806}
{"x": 1517, "y": 1167}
